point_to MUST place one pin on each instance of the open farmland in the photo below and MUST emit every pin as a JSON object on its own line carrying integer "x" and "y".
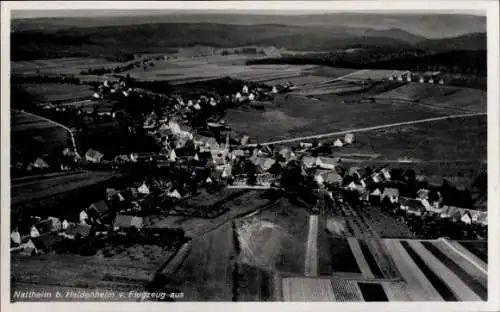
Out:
{"x": 61, "y": 66}
{"x": 206, "y": 273}
{"x": 300, "y": 116}
{"x": 373, "y": 74}
{"x": 32, "y": 136}
{"x": 446, "y": 97}
{"x": 37, "y": 190}
{"x": 55, "y": 92}
{"x": 275, "y": 238}
{"x": 130, "y": 269}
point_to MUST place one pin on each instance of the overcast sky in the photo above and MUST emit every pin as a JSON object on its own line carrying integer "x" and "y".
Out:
{"x": 100, "y": 13}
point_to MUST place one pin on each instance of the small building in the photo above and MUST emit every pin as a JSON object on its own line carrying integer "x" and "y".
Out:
{"x": 423, "y": 194}
{"x": 98, "y": 209}
{"x": 349, "y": 138}
{"x": 123, "y": 222}
{"x": 244, "y": 89}
{"x": 274, "y": 90}
{"x": 338, "y": 143}
{"x": 391, "y": 193}
{"x": 441, "y": 81}
{"x": 412, "y": 206}
{"x": 421, "y": 80}
{"x": 39, "y": 163}
{"x": 143, "y": 189}
{"x": 93, "y": 156}
{"x": 34, "y": 232}
{"x": 332, "y": 178}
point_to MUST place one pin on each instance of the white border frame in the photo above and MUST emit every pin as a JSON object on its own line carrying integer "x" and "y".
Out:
{"x": 490, "y": 7}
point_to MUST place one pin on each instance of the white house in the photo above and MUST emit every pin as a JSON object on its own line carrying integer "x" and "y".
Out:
{"x": 338, "y": 143}
{"x": 421, "y": 80}
{"x": 83, "y": 217}
{"x": 274, "y": 90}
{"x": 251, "y": 97}
{"x": 349, "y": 138}
{"x": 172, "y": 156}
{"x": 245, "y": 89}
{"x": 143, "y": 189}
{"x": 16, "y": 237}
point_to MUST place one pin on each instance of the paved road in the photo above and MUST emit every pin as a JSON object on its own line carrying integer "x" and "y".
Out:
{"x": 72, "y": 136}
{"x": 379, "y": 127}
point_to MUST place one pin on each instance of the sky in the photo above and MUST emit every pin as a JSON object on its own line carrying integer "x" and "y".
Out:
{"x": 104, "y": 13}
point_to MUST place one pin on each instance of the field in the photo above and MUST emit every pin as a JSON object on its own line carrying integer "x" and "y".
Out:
{"x": 206, "y": 274}
{"x": 32, "y": 136}
{"x": 445, "y": 97}
{"x": 49, "y": 92}
{"x": 122, "y": 269}
{"x": 32, "y": 191}
{"x": 61, "y": 66}
{"x": 275, "y": 238}
{"x": 373, "y": 74}
{"x": 435, "y": 272}
{"x": 300, "y": 116}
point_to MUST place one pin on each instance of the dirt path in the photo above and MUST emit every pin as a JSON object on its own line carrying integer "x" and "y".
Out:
{"x": 366, "y": 129}
{"x": 311, "y": 259}
{"x": 71, "y": 134}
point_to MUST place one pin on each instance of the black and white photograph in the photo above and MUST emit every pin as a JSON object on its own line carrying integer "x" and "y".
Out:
{"x": 233, "y": 153}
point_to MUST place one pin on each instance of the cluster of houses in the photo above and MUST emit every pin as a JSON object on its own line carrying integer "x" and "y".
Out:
{"x": 426, "y": 77}
{"x": 119, "y": 214}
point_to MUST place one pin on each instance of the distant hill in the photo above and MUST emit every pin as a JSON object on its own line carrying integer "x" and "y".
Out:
{"x": 470, "y": 42}
{"x": 420, "y": 24}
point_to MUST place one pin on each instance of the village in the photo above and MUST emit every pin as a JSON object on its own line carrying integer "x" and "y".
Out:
{"x": 194, "y": 151}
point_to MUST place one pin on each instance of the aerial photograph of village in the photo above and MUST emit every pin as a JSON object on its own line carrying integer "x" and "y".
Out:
{"x": 248, "y": 156}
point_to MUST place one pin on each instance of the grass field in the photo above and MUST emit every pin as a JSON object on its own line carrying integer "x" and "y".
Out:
{"x": 128, "y": 270}
{"x": 33, "y": 191}
{"x": 48, "y": 92}
{"x": 206, "y": 274}
{"x": 32, "y": 136}
{"x": 275, "y": 239}
{"x": 439, "y": 96}
{"x": 66, "y": 66}
{"x": 299, "y": 116}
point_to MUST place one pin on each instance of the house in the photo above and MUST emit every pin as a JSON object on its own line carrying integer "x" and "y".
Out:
{"x": 391, "y": 78}
{"x": 466, "y": 218}
{"x": 34, "y": 232}
{"x": 75, "y": 230}
{"x": 98, "y": 209}
{"x": 251, "y": 97}
{"x": 332, "y": 178}
{"x": 127, "y": 222}
{"x": 274, "y": 90}
{"x": 349, "y": 138}
{"x": 93, "y": 156}
{"x": 385, "y": 173}
{"x": 441, "y": 81}
{"x": 409, "y": 78}
{"x": 338, "y": 143}
{"x": 412, "y": 206}
{"x": 447, "y": 212}
{"x": 319, "y": 179}
{"x": 15, "y": 237}
{"x": 423, "y": 194}
{"x": 174, "y": 194}
{"x": 375, "y": 196}
{"x": 309, "y": 161}
{"x": 354, "y": 172}
{"x": 39, "y": 163}
{"x": 326, "y": 163}
{"x": 245, "y": 89}
{"x": 143, "y": 189}
{"x": 245, "y": 139}
{"x": 83, "y": 217}
{"x": 431, "y": 81}
{"x": 421, "y": 80}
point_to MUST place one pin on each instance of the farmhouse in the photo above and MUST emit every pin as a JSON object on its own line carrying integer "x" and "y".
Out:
{"x": 39, "y": 163}
{"x": 349, "y": 138}
{"x": 93, "y": 156}
{"x": 123, "y": 222}
{"x": 338, "y": 143}
{"x": 412, "y": 206}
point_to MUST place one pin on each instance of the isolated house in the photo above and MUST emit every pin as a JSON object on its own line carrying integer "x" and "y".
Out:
{"x": 39, "y": 163}
{"x": 143, "y": 189}
{"x": 349, "y": 138}
{"x": 245, "y": 89}
{"x": 274, "y": 90}
{"x": 338, "y": 143}
{"x": 93, "y": 156}
{"x": 421, "y": 80}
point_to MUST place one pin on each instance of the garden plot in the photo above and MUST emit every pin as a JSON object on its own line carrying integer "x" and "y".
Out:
{"x": 307, "y": 289}
{"x": 49, "y": 92}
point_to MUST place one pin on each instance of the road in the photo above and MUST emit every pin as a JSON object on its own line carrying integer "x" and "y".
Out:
{"x": 366, "y": 129}
{"x": 311, "y": 258}
{"x": 71, "y": 134}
